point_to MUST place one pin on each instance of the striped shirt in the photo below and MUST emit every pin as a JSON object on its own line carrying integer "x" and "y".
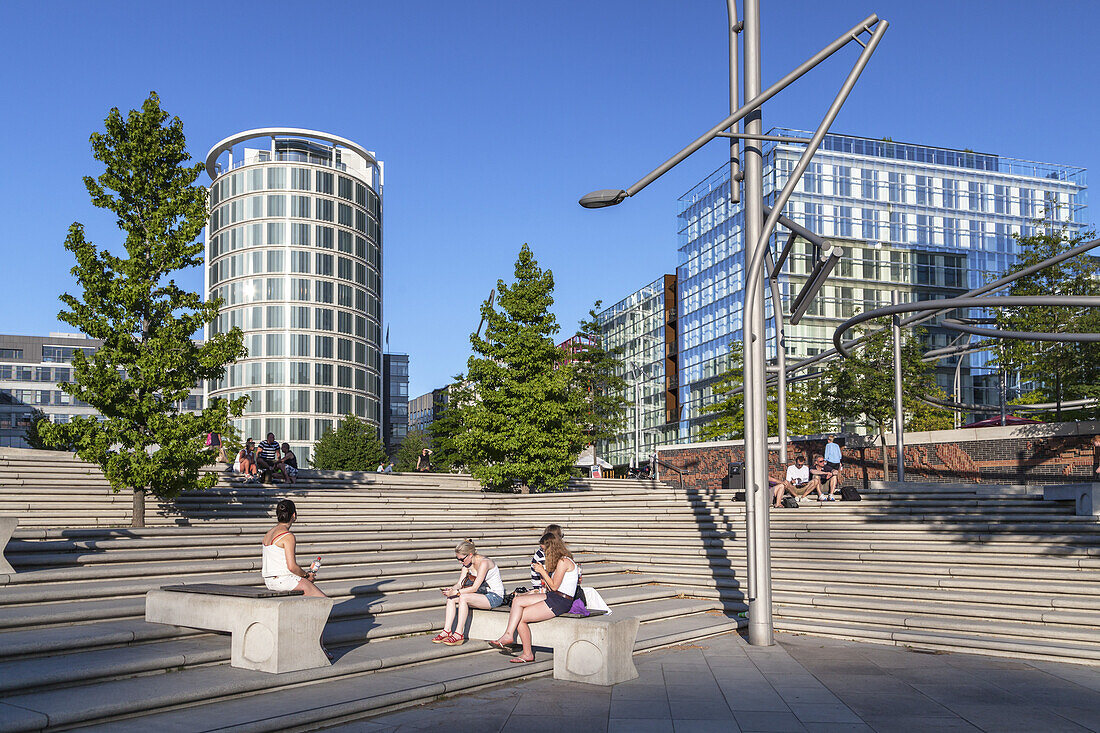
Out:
{"x": 268, "y": 450}
{"x": 536, "y": 579}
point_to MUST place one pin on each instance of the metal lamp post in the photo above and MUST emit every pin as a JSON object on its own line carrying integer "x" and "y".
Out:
{"x": 756, "y": 234}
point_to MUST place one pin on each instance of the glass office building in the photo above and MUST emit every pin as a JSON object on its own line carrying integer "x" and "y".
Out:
{"x": 927, "y": 222}
{"x": 644, "y": 326}
{"x": 395, "y": 401}
{"x": 294, "y": 251}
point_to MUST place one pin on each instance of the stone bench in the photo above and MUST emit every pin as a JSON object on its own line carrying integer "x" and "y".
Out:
{"x": 271, "y": 631}
{"x": 7, "y": 526}
{"x": 598, "y": 650}
{"x": 1086, "y": 497}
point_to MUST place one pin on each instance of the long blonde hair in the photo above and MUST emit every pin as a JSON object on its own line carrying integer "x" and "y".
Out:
{"x": 555, "y": 550}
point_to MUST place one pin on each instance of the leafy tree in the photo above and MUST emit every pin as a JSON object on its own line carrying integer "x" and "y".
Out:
{"x": 33, "y": 432}
{"x": 446, "y": 427}
{"x": 148, "y": 362}
{"x": 729, "y": 410}
{"x": 597, "y": 374}
{"x": 1058, "y": 372}
{"x": 861, "y": 389}
{"x": 411, "y": 447}
{"x": 353, "y": 446}
{"x": 522, "y": 421}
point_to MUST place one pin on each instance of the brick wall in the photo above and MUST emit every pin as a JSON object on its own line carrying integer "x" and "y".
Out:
{"x": 1023, "y": 454}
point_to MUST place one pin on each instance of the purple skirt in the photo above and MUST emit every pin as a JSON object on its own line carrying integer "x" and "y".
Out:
{"x": 558, "y": 602}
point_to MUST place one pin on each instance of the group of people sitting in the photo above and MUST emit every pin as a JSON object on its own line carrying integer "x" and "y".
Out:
{"x": 554, "y": 574}
{"x": 822, "y": 477}
{"x": 267, "y": 461}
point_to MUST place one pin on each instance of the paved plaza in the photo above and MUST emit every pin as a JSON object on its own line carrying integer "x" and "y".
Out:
{"x": 802, "y": 684}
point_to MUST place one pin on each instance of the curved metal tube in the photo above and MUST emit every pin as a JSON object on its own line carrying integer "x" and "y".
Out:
{"x": 1078, "y": 338}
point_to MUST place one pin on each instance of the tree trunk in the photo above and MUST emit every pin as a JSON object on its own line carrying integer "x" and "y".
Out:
{"x": 138, "y": 519}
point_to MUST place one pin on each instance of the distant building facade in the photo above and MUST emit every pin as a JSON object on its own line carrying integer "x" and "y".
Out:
{"x": 645, "y": 326}
{"x": 395, "y": 401}
{"x": 294, "y": 251}
{"x": 31, "y": 368}
{"x": 426, "y": 409}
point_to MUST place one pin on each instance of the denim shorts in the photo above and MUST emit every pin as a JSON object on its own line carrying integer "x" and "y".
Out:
{"x": 494, "y": 599}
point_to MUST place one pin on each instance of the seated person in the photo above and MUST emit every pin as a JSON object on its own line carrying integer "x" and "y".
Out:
{"x": 288, "y": 464}
{"x": 827, "y": 479}
{"x": 246, "y": 459}
{"x": 280, "y": 569}
{"x": 267, "y": 457}
{"x": 799, "y": 484}
{"x": 478, "y": 586}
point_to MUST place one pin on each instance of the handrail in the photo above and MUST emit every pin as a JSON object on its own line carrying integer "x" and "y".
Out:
{"x": 680, "y": 472}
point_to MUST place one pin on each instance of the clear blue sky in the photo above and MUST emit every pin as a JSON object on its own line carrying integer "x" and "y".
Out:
{"x": 494, "y": 117}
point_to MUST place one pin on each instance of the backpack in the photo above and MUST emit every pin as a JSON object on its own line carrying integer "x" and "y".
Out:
{"x": 789, "y": 502}
{"x": 849, "y": 493}
{"x": 739, "y": 496}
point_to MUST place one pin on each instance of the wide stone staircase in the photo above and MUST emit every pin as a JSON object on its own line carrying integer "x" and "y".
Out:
{"x": 981, "y": 569}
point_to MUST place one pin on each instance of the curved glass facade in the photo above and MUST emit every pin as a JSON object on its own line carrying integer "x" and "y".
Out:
{"x": 293, "y": 249}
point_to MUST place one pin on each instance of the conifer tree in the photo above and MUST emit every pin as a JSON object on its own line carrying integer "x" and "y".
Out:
{"x": 148, "y": 362}
{"x": 522, "y": 423}
{"x": 410, "y": 449}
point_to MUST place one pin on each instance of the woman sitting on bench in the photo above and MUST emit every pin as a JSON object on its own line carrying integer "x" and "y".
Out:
{"x": 559, "y": 578}
{"x": 478, "y": 586}
{"x": 280, "y": 570}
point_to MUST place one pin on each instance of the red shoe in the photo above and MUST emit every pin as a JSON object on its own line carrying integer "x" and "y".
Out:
{"x": 441, "y": 637}
{"x": 455, "y": 640}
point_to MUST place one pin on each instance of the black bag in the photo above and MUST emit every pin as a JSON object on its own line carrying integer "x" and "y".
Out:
{"x": 739, "y": 496}
{"x": 789, "y": 502}
{"x": 849, "y": 493}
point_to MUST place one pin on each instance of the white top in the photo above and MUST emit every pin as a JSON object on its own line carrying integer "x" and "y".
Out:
{"x": 275, "y": 562}
{"x": 568, "y": 585}
{"x": 492, "y": 579}
{"x": 798, "y": 474}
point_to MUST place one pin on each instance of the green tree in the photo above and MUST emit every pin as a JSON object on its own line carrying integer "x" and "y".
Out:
{"x": 728, "y": 422}
{"x": 353, "y": 446}
{"x": 597, "y": 374}
{"x": 1058, "y": 372}
{"x": 33, "y": 432}
{"x": 411, "y": 447}
{"x": 860, "y": 389}
{"x": 522, "y": 422}
{"x": 446, "y": 427}
{"x": 148, "y": 363}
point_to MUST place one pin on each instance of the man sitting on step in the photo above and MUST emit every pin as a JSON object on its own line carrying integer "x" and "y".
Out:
{"x": 267, "y": 457}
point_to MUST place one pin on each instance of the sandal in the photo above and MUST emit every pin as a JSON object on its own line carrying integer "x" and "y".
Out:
{"x": 520, "y": 660}
{"x": 455, "y": 640}
{"x": 497, "y": 645}
{"x": 441, "y": 637}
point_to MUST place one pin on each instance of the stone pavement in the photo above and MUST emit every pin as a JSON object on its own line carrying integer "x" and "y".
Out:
{"x": 801, "y": 684}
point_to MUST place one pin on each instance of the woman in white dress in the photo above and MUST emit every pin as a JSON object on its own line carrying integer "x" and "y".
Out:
{"x": 280, "y": 570}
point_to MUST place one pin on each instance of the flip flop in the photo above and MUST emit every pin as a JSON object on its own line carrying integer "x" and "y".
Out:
{"x": 519, "y": 660}
{"x": 497, "y": 645}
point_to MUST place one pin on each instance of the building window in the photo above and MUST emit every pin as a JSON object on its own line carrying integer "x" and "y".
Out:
{"x": 299, "y": 206}
{"x": 324, "y": 182}
{"x": 324, "y": 237}
{"x": 276, "y": 205}
{"x": 299, "y": 426}
{"x": 343, "y": 403}
{"x": 299, "y": 234}
{"x": 345, "y": 188}
{"x": 324, "y": 264}
{"x": 323, "y": 291}
{"x": 299, "y": 179}
{"x": 276, "y": 178}
{"x": 322, "y": 347}
{"x": 322, "y": 403}
{"x": 299, "y": 344}
{"x": 18, "y": 353}
{"x": 324, "y": 209}
{"x": 299, "y": 400}
{"x": 322, "y": 321}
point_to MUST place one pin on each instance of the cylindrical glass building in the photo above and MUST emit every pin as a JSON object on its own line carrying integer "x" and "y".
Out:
{"x": 294, "y": 250}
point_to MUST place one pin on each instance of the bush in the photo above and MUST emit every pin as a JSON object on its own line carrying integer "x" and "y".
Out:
{"x": 352, "y": 446}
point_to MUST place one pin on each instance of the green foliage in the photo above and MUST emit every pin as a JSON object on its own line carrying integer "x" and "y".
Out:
{"x": 445, "y": 429}
{"x": 148, "y": 362}
{"x": 729, "y": 410}
{"x": 1059, "y": 372}
{"x": 861, "y": 389}
{"x": 597, "y": 376}
{"x": 33, "y": 433}
{"x": 353, "y": 446}
{"x": 410, "y": 449}
{"x": 520, "y": 412}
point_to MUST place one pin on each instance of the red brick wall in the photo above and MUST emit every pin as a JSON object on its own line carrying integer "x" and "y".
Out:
{"x": 1031, "y": 459}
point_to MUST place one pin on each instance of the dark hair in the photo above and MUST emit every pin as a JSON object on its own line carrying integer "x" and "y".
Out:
{"x": 554, "y": 529}
{"x": 286, "y": 447}
{"x": 284, "y": 510}
{"x": 800, "y": 458}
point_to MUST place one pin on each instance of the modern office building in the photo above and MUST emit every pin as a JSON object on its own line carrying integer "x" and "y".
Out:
{"x": 395, "y": 401}
{"x": 294, "y": 251}
{"x": 924, "y": 221}
{"x": 644, "y": 326}
{"x": 31, "y": 368}
{"x": 425, "y": 409}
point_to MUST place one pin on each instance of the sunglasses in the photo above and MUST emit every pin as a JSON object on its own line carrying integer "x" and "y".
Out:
{"x": 463, "y": 559}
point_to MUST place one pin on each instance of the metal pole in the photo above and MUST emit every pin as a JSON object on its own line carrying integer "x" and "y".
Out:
{"x": 735, "y": 162}
{"x": 756, "y": 432}
{"x": 637, "y": 419}
{"x": 899, "y": 414}
{"x": 1004, "y": 390}
{"x": 780, "y": 359}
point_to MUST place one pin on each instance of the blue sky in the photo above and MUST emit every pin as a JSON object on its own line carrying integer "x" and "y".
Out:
{"x": 493, "y": 118}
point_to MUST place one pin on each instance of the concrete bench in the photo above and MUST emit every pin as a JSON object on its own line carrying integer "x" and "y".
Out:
{"x": 598, "y": 650}
{"x": 1086, "y": 497}
{"x": 7, "y": 526}
{"x": 271, "y": 631}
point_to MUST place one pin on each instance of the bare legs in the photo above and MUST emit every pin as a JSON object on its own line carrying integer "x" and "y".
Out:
{"x": 518, "y": 604}
{"x": 308, "y": 588}
{"x": 466, "y": 601}
{"x": 532, "y": 614}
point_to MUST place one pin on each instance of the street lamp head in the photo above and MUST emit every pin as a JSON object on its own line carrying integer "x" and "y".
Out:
{"x": 602, "y": 198}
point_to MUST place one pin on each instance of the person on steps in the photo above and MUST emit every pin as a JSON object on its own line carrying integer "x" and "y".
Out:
{"x": 539, "y": 557}
{"x": 281, "y": 570}
{"x": 478, "y": 586}
{"x": 288, "y": 464}
{"x": 267, "y": 458}
{"x": 246, "y": 459}
{"x": 560, "y": 578}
